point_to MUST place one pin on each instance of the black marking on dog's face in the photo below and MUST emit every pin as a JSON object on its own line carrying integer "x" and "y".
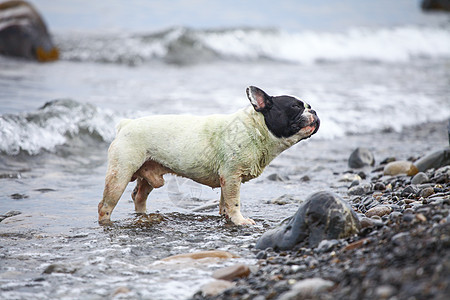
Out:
{"x": 284, "y": 115}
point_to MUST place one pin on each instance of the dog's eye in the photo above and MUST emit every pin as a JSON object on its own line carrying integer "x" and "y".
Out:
{"x": 307, "y": 106}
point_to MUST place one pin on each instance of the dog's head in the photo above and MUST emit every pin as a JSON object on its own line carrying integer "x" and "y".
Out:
{"x": 285, "y": 116}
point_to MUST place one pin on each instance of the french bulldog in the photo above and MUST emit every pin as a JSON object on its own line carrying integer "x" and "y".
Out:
{"x": 216, "y": 150}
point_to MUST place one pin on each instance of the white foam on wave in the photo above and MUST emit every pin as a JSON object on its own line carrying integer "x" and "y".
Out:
{"x": 186, "y": 46}
{"x": 53, "y": 125}
{"x": 386, "y": 45}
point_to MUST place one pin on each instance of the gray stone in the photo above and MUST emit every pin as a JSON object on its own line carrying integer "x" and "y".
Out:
{"x": 420, "y": 178}
{"x": 410, "y": 190}
{"x": 326, "y": 245}
{"x": 323, "y": 215}
{"x": 434, "y": 160}
{"x": 361, "y": 157}
{"x": 361, "y": 189}
{"x": 60, "y": 268}
{"x": 307, "y": 288}
{"x": 379, "y": 211}
{"x": 426, "y": 192}
{"x": 276, "y": 177}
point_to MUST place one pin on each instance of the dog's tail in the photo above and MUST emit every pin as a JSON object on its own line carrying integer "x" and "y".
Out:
{"x": 121, "y": 124}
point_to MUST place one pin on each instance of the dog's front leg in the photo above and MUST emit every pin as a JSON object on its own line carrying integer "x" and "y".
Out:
{"x": 230, "y": 200}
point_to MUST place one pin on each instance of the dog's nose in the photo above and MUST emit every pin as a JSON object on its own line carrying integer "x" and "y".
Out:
{"x": 312, "y": 111}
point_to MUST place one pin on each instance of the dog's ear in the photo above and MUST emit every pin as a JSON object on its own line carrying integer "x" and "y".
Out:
{"x": 258, "y": 98}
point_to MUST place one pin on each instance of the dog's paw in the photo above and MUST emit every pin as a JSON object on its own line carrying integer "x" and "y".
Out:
{"x": 105, "y": 222}
{"x": 248, "y": 222}
{"x": 242, "y": 221}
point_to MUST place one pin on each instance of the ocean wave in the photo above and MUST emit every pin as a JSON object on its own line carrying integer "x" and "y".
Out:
{"x": 189, "y": 46}
{"x": 54, "y": 124}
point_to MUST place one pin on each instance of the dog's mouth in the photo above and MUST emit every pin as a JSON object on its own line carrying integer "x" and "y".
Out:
{"x": 312, "y": 127}
{"x": 315, "y": 124}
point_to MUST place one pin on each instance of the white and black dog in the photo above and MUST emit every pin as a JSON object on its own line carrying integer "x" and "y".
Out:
{"x": 217, "y": 150}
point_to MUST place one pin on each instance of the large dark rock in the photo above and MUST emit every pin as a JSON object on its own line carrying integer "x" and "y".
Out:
{"x": 23, "y": 33}
{"x": 360, "y": 158}
{"x": 324, "y": 215}
{"x": 434, "y": 160}
{"x": 443, "y": 5}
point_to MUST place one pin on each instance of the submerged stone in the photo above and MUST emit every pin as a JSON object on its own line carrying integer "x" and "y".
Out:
{"x": 324, "y": 215}
{"x": 216, "y": 287}
{"x": 232, "y": 272}
{"x": 202, "y": 254}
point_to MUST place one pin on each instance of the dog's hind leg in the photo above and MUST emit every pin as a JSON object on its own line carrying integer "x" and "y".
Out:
{"x": 119, "y": 174}
{"x": 115, "y": 184}
{"x": 140, "y": 194}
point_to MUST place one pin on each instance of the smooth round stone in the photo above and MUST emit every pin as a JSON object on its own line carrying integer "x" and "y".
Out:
{"x": 360, "y": 189}
{"x": 420, "y": 178}
{"x": 400, "y": 167}
{"x": 426, "y": 192}
{"x": 378, "y": 211}
{"x": 232, "y": 272}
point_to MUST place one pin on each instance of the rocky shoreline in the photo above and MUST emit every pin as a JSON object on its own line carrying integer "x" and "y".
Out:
{"x": 401, "y": 251}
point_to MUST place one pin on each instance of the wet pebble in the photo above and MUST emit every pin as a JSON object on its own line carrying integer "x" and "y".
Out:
{"x": 10, "y": 214}
{"x": 261, "y": 254}
{"x": 277, "y": 177}
{"x": 361, "y": 189}
{"x": 60, "y": 268}
{"x": 354, "y": 183}
{"x": 284, "y": 199}
{"x": 350, "y": 177}
{"x": 305, "y": 178}
{"x": 360, "y": 158}
{"x": 420, "y": 178}
{"x": 400, "y": 167}
{"x": 379, "y": 186}
{"x": 426, "y": 192}
{"x": 326, "y": 245}
{"x": 371, "y": 222}
{"x": 307, "y": 288}
{"x": 232, "y": 272}
{"x": 410, "y": 191}
{"x": 18, "y": 196}
{"x": 378, "y": 211}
